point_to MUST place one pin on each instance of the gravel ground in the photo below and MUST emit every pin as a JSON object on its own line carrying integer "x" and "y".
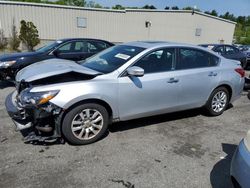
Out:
{"x": 185, "y": 149}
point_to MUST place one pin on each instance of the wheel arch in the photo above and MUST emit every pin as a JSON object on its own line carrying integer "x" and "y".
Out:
{"x": 93, "y": 100}
{"x": 227, "y": 86}
{"x": 229, "y": 89}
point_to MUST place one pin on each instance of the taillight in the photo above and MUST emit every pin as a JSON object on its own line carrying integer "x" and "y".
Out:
{"x": 241, "y": 72}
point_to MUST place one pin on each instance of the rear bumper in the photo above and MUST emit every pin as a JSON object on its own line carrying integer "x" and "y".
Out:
{"x": 240, "y": 166}
{"x": 16, "y": 113}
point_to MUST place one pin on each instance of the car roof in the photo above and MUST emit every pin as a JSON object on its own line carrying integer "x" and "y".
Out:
{"x": 70, "y": 39}
{"x": 158, "y": 44}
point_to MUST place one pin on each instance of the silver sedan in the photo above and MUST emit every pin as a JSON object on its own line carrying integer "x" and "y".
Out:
{"x": 56, "y": 98}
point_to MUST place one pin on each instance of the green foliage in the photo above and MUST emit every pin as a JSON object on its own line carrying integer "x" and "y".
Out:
{"x": 149, "y": 7}
{"x": 118, "y": 7}
{"x": 3, "y": 40}
{"x": 175, "y": 8}
{"x": 213, "y": 13}
{"x": 92, "y": 4}
{"x": 29, "y": 35}
{"x": 14, "y": 40}
{"x": 191, "y": 8}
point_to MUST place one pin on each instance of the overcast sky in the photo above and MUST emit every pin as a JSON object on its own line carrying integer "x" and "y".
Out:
{"x": 237, "y": 7}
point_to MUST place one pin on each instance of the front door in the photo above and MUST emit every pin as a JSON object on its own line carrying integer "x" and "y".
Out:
{"x": 156, "y": 92}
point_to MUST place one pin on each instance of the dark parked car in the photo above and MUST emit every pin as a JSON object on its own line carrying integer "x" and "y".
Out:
{"x": 247, "y": 83}
{"x": 75, "y": 49}
{"x": 246, "y": 50}
{"x": 229, "y": 52}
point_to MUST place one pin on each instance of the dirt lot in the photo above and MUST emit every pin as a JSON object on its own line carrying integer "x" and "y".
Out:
{"x": 184, "y": 149}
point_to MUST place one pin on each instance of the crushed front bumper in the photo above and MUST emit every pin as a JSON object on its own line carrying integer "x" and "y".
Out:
{"x": 42, "y": 126}
{"x": 16, "y": 113}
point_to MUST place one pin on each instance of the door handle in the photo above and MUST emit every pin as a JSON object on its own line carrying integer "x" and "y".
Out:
{"x": 212, "y": 74}
{"x": 173, "y": 80}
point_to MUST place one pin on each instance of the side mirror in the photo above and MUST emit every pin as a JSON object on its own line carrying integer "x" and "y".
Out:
{"x": 135, "y": 71}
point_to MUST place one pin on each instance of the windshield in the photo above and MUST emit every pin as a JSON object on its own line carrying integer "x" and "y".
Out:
{"x": 49, "y": 46}
{"x": 112, "y": 58}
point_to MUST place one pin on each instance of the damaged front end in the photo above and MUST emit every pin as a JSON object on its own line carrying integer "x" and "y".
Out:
{"x": 33, "y": 115}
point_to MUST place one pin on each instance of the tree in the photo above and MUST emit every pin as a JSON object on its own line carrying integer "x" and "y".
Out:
{"x": 29, "y": 35}
{"x": 175, "y": 8}
{"x": 229, "y": 16}
{"x": 3, "y": 40}
{"x": 92, "y": 4}
{"x": 149, "y": 7}
{"x": 213, "y": 13}
{"x": 187, "y": 8}
{"x": 14, "y": 40}
{"x": 167, "y": 8}
{"x": 119, "y": 7}
{"x": 79, "y": 3}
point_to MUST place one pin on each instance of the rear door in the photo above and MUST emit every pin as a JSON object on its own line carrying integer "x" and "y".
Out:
{"x": 156, "y": 92}
{"x": 198, "y": 74}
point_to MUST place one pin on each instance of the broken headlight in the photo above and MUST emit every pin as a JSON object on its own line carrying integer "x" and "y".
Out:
{"x": 36, "y": 98}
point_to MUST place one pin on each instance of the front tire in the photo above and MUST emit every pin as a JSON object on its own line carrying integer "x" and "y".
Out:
{"x": 218, "y": 101}
{"x": 85, "y": 124}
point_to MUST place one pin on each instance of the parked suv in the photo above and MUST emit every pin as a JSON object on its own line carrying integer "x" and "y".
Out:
{"x": 132, "y": 80}
{"x": 229, "y": 52}
{"x": 75, "y": 49}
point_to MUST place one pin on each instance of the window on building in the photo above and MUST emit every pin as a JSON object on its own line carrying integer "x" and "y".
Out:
{"x": 81, "y": 22}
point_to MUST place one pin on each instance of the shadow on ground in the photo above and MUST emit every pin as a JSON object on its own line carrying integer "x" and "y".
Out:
{"x": 220, "y": 174}
{"x": 148, "y": 121}
{"x": 5, "y": 84}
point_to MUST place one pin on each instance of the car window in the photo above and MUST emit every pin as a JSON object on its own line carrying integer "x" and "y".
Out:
{"x": 66, "y": 47}
{"x": 230, "y": 50}
{"x": 112, "y": 58}
{"x": 96, "y": 46}
{"x": 219, "y": 49}
{"x": 193, "y": 58}
{"x": 81, "y": 46}
{"x": 158, "y": 61}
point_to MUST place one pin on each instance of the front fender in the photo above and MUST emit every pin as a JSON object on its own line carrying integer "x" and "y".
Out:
{"x": 105, "y": 99}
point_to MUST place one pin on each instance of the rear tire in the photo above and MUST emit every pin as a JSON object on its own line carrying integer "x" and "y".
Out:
{"x": 218, "y": 101}
{"x": 85, "y": 124}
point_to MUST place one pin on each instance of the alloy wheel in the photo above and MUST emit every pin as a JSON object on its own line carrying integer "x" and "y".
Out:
{"x": 219, "y": 101}
{"x": 87, "y": 124}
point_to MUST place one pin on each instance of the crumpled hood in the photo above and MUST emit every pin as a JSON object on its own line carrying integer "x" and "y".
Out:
{"x": 51, "y": 67}
{"x": 15, "y": 56}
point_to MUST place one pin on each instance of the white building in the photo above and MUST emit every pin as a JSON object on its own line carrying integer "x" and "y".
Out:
{"x": 55, "y": 22}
